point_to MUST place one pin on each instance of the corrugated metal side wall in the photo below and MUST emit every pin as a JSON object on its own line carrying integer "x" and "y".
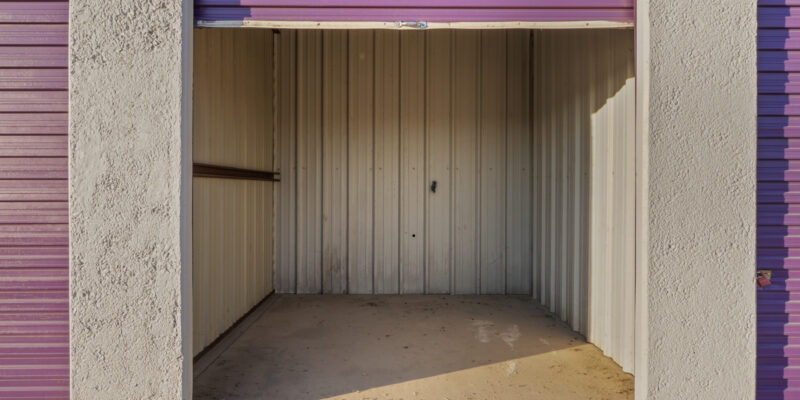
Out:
{"x": 584, "y": 104}
{"x": 232, "y": 218}
{"x": 368, "y": 120}
{"x": 778, "y": 197}
{"x": 34, "y": 302}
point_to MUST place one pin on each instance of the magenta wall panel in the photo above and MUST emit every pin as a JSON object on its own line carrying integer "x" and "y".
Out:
{"x": 34, "y": 313}
{"x": 778, "y": 196}
{"x": 415, "y": 10}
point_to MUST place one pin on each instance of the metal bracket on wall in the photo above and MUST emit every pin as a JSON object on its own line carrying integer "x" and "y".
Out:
{"x": 200, "y": 170}
{"x": 411, "y": 24}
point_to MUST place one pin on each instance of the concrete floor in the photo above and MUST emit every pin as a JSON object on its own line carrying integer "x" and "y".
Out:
{"x": 406, "y": 347}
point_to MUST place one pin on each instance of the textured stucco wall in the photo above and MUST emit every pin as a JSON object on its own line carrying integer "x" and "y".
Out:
{"x": 127, "y": 76}
{"x": 702, "y": 142}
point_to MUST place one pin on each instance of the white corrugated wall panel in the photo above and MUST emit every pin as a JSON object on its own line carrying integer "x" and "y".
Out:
{"x": 438, "y": 161}
{"x": 412, "y": 162}
{"x": 585, "y": 170}
{"x": 466, "y": 183}
{"x": 518, "y": 161}
{"x": 361, "y": 160}
{"x": 309, "y": 161}
{"x": 387, "y": 163}
{"x": 375, "y": 118}
{"x": 334, "y": 168}
{"x": 232, "y": 219}
{"x": 286, "y": 163}
{"x": 492, "y": 162}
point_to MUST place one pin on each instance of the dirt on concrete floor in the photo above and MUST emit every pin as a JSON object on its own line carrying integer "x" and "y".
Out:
{"x": 409, "y": 347}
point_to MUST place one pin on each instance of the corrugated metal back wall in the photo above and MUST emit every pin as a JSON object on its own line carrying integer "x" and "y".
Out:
{"x": 778, "y": 351}
{"x": 414, "y": 10}
{"x": 34, "y": 338}
{"x": 369, "y": 119}
{"x": 376, "y": 117}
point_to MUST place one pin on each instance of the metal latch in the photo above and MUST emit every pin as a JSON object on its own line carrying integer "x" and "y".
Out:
{"x": 411, "y": 24}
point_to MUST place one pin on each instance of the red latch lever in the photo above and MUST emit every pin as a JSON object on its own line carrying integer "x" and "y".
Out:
{"x": 763, "y": 278}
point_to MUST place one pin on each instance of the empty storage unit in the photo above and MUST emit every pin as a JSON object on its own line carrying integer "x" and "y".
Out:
{"x": 379, "y": 162}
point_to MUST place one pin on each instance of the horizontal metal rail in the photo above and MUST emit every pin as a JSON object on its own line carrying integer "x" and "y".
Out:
{"x": 218, "y": 171}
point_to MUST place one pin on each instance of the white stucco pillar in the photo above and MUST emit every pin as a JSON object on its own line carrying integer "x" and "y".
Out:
{"x": 697, "y": 332}
{"x": 130, "y": 145}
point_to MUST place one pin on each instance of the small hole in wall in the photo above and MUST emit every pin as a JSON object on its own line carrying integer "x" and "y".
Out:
{"x": 414, "y": 235}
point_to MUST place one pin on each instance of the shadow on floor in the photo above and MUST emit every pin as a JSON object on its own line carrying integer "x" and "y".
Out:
{"x": 410, "y": 347}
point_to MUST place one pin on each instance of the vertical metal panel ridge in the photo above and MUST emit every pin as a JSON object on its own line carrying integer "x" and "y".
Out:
{"x": 309, "y": 172}
{"x": 387, "y": 160}
{"x": 492, "y": 166}
{"x": 552, "y": 232}
{"x": 593, "y": 245}
{"x": 583, "y": 224}
{"x": 335, "y": 156}
{"x": 479, "y": 183}
{"x": 438, "y": 162}
{"x": 286, "y": 265}
{"x": 465, "y": 114}
{"x": 565, "y": 121}
{"x": 374, "y": 159}
{"x": 360, "y": 160}
{"x": 412, "y": 145}
{"x": 536, "y": 135}
{"x": 34, "y": 224}
{"x": 546, "y": 154}
{"x": 575, "y": 227}
{"x": 424, "y": 174}
{"x": 776, "y": 249}
{"x": 518, "y": 164}
{"x": 451, "y": 168}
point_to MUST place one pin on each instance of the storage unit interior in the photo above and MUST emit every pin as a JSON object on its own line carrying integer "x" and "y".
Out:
{"x": 411, "y": 162}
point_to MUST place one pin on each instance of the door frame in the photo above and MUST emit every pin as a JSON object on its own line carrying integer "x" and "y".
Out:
{"x": 641, "y": 34}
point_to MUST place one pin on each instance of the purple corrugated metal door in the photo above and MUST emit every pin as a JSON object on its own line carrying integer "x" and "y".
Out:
{"x": 34, "y": 337}
{"x": 778, "y": 330}
{"x": 414, "y": 10}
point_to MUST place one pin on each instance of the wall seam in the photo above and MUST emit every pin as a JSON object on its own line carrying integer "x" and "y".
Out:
{"x": 452, "y": 190}
{"x": 374, "y": 152}
{"x": 401, "y": 225}
{"x": 425, "y": 168}
{"x": 479, "y": 130}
